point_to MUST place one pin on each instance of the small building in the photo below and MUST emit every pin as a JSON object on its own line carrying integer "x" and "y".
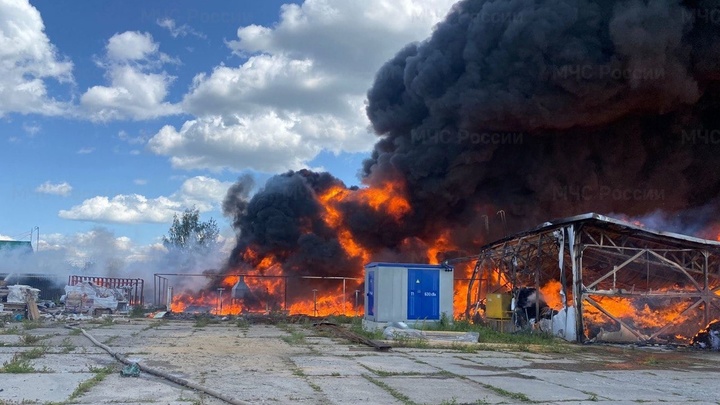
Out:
{"x": 15, "y": 247}
{"x": 407, "y": 292}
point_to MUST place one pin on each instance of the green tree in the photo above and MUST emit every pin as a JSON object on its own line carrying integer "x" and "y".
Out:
{"x": 188, "y": 233}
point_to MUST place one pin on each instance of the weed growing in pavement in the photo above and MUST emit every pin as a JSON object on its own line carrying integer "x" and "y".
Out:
{"x": 651, "y": 361}
{"x": 405, "y": 341}
{"x": 14, "y": 330}
{"x": 356, "y": 327}
{"x": 110, "y": 339}
{"x": 28, "y": 339}
{"x": 155, "y": 324}
{"x": 17, "y": 366}
{"x": 87, "y": 385}
{"x": 343, "y": 319}
{"x": 299, "y": 373}
{"x": 67, "y": 347}
{"x": 283, "y": 326}
{"x": 465, "y": 348}
{"x": 20, "y": 363}
{"x": 204, "y": 320}
{"x": 295, "y": 338}
{"x": 35, "y": 353}
{"x": 390, "y": 390}
{"x": 383, "y": 373}
{"x": 28, "y": 324}
{"x": 104, "y": 321}
{"x": 518, "y": 396}
{"x": 75, "y": 332}
{"x": 137, "y": 312}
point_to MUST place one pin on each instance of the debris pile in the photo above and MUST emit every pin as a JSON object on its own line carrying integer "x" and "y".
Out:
{"x": 20, "y": 299}
{"x": 91, "y": 298}
{"x": 708, "y": 338}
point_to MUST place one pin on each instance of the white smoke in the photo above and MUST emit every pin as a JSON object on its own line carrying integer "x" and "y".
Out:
{"x": 100, "y": 253}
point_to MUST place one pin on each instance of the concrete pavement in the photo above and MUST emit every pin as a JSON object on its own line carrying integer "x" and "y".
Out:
{"x": 294, "y": 364}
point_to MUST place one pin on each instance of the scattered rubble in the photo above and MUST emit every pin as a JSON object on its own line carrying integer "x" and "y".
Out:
{"x": 88, "y": 297}
{"x": 708, "y": 338}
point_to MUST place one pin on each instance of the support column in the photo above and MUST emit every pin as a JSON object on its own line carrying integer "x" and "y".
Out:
{"x": 576, "y": 257}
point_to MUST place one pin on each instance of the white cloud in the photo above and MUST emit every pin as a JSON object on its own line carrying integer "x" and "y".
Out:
{"x": 300, "y": 92}
{"x": 62, "y": 189}
{"x": 28, "y": 60}
{"x": 31, "y": 129}
{"x": 131, "y": 46}
{"x": 132, "y": 140}
{"x": 178, "y": 31}
{"x": 137, "y": 89}
{"x": 140, "y": 182}
{"x": 5, "y": 237}
{"x": 201, "y": 192}
{"x": 132, "y": 208}
{"x": 267, "y": 143}
{"x": 85, "y": 151}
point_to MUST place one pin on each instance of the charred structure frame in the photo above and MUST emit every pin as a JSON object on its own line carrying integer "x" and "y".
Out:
{"x": 599, "y": 261}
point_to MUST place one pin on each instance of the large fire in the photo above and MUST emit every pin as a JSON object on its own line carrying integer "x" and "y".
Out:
{"x": 274, "y": 288}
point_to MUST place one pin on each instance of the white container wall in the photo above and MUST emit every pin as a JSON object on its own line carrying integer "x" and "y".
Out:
{"x": 405, "y": 292}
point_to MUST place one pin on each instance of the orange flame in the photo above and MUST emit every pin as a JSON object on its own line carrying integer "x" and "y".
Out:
{"x": 267, "y": 281}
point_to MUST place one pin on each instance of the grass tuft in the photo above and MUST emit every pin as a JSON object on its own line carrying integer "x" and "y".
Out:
{"x": 28, "y": 339}
{"x": 295, "y": 338}
{"x": 28, "y": 324}
{"x": 85, "y": 386}
{"x": 137, "y": 312}
{"x": 35, "y": 353}
{"x": 390, "y": 390}
{"x": 204, "y": 320}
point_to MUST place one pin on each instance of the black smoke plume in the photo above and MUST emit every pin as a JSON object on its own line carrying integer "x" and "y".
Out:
{"x": 546, "y": 109}
{"x": 513, "y": 113}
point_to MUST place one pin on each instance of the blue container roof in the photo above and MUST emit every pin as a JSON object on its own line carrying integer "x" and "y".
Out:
{"x": 408, "y": 265}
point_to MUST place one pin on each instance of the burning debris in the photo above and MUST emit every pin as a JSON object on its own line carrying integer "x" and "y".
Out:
{"x": 529, "y": 306}
{"x": 708, "y": 338}
{"x": 605, "y": 280}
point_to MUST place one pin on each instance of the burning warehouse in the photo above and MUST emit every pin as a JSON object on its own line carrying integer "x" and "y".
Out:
{"x": 594, "y": 278}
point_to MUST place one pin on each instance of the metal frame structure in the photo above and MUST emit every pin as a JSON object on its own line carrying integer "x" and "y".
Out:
{"x": 653, "y": 286}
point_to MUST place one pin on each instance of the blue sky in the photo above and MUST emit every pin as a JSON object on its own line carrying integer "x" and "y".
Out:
{"x": 114, "y": 115}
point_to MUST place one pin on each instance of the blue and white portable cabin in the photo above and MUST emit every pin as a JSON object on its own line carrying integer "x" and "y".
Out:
{"x": 407, "y": 292}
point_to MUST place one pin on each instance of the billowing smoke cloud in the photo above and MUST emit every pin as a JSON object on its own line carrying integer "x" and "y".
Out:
{"x": 545, "y": 109}
{"x": 513, "y": 113}
{"x": 284, "y": 220}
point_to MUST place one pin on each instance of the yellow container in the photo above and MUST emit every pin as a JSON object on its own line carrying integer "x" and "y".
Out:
{"x": 497, "y": 306}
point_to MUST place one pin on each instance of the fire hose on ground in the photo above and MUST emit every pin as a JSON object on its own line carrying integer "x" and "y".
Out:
{"x": 161, "y": 374}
